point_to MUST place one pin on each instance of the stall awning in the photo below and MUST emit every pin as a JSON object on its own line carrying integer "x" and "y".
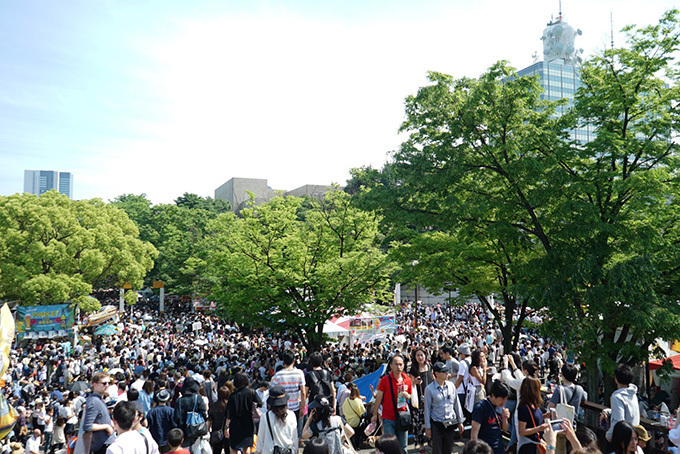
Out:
{"x": 654, "y": 365}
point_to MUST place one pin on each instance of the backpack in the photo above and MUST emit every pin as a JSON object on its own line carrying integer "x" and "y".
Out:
{"x": 321, "y": 383}
{"x": 332, "y": 435}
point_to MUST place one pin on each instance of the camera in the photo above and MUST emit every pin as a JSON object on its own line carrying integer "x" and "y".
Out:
{"x": 556, "y": 425}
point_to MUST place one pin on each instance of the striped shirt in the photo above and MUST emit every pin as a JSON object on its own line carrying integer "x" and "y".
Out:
{"x": 292, "y": 381}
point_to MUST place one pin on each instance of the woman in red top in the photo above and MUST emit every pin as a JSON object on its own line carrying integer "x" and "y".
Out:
{"x": 399, "y": 392}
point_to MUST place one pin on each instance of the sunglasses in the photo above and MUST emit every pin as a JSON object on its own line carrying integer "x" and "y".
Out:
{"x": 105, "y": 383}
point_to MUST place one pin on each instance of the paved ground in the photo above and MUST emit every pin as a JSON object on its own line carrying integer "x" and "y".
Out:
{"x": 457, "y": 448}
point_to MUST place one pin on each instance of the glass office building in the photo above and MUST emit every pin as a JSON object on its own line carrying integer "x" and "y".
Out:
{"x": 559, "y": 81}
{"x": 40, "y": 181}
{"x": 558, "y": 73}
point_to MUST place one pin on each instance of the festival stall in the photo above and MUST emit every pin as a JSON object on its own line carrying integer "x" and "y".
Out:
{"x": 44, "y": 322}
{"x": 366, "y": 327}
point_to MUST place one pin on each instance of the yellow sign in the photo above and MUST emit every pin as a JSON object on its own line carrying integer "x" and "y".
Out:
{"x": 158, "y": 284}
{"x": 127, "y": 286}
{"x": 676, "y": 346}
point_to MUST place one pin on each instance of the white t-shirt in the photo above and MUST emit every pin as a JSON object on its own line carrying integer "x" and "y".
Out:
{"x": 463, "y": 371}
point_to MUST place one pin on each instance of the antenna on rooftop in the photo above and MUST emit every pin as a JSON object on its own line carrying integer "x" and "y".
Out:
{"x": 560, "y": 16}
{"x": 611, "y": 23}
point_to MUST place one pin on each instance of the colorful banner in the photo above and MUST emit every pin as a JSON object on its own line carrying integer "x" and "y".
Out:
{"x": 6, "y": 337}
{"x": 43, "y": 319}
{"x": 370, "y": 329}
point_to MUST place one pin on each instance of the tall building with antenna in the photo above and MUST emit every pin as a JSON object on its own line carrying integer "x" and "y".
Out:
{"x": 558, "y": 73}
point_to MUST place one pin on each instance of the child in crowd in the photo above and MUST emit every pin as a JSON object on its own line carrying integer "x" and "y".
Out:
{"x": 175, "y": 439}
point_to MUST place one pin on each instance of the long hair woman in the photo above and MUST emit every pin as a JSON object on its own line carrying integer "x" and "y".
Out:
{"x": 624, "y": 439}
{"x": 217, "y": 417}
{"x": 530, "y": 425}
{"x": 278, "y": 426}
{"x": 354, "y": 409}
{"x": 478, "y": 373}
{"x": 421, "y": 376}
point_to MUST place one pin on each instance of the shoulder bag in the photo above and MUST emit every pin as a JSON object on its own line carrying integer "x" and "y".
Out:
{"x": 196, "y": 426}
{"x": 541, "y": 446}
{"x": 277, "y": 449}
{"x": 564, "y": 410}
{"x": 403, "y": 418}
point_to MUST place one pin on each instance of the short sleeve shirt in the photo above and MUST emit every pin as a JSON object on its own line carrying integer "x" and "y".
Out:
{"x": 489, "y": 421}
{"x": 387, "y": 401}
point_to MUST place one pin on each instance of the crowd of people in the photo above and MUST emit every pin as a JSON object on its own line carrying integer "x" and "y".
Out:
{"x": 190, "y": 382}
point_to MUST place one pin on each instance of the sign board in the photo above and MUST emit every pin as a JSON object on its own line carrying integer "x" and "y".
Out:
{"x": 158, "y": 284}
{"x": 43, "y": 319}
{"x": 196, "y": 326}
{"x": 369, "y": 329}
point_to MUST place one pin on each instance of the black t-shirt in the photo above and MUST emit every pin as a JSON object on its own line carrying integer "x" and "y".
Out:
{"x": 523, "y": 414}
{"x": 490, "y": 425}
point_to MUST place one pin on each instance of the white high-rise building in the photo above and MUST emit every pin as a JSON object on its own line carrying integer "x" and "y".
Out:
{"x": 40, "y": 181}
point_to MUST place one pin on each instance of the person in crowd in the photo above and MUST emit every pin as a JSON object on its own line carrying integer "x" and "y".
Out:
{"x": 463, "y": 377}
{"x": 643, "y": 438}
{"x": 146, "y": 395}
{"x": 442, "y": 411}
{"x": 149, "y": 442}
{"x": 512, "y": 376}
{"x": 239, "y": 421}
{"x": 189, "y": 401}
{"x": 160, "y": 420}
{"x": 33, "y": 443}
{"x": 354, "y": 410}
{"x": 217, "y": 419}
{"x": 394, "y": 393}
{"x": 59, "y": 436}
{"x": 478, "y": 372}
{"x": 421, "y": 376}
{"x": 490, "y": 418}
{"x": 568, "y": 392}
{"x": 624, "y": 439}
{"x": 293, "y": 381}
{"x": 624, "y": 402}
{"x": 319, "y": 379}
{"x": 447, "y": 355}
{"x": 321, "y": 423}
{"x": 388, "y": 444}
{"x": 96, "y": 418}
{"x": 278, "y": 425}
{"x": 175, "y": 440}
{"x": 316, "y": 445}
{"x": 477, "y": 447}
{"x": 128, "y": 441}
{"x": 530, "y": 425}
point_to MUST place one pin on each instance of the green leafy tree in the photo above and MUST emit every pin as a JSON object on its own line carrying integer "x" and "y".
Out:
{"x": 616, "y": 266}
{"x": 176, "y": 231}
{"x": 460, "y": 195}
{"x": 588, "y": 231}
{"x": 291, "y": 264}
{"x": 56, "y": 249}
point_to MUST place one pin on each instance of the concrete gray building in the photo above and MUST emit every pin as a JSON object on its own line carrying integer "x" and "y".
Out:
{"x": 237, "y": 192}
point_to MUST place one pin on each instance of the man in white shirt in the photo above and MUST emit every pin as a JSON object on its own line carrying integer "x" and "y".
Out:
{"x": 463, "y": 372}
{"x": 33, "y": 443}
{"x": 128, "y": 441}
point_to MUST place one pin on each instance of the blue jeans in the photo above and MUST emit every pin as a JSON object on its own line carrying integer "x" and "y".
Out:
{"x": 512, "y": 405}
{"x": 390, "y": 427}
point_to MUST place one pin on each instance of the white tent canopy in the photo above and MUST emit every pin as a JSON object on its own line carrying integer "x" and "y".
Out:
{"x": 332, "y": 328}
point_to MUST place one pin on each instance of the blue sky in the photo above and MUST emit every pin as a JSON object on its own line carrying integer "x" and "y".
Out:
{"x": 166, "y": 97}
